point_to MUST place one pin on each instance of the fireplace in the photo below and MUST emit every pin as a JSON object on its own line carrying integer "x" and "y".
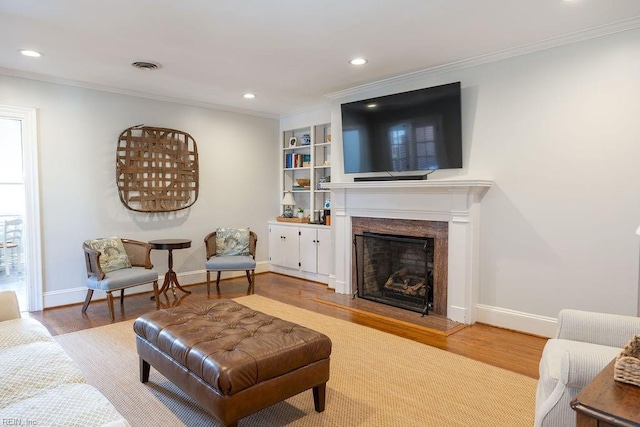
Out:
{"x": 420, "y": 247}
{"x": 447, "y": 210}
{"x": 395, "y": 270}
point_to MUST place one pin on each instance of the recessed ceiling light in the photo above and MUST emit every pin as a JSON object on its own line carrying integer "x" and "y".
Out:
{"x": 372, "y": 105}
{"x": 358, "y": 61}
{"x": 30, "y": 53}
{"x": 249, "y": 95}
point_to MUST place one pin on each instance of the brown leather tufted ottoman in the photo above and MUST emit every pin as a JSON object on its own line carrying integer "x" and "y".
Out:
{"x": 231, "y": 359}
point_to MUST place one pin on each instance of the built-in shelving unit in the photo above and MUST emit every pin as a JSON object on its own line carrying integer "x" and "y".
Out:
{"x": 301, "y": 249}
{"x": 306, "y": 155}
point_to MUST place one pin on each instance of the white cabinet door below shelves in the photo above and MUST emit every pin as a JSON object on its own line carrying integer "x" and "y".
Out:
{"x": 308, "y": 250}
{"x": 284, "y": 246}
{"x": 315, "y": 250}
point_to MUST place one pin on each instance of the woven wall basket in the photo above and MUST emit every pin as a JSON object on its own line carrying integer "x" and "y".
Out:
{"x": 627, "y": 365}
{"x": 156, "y": 169}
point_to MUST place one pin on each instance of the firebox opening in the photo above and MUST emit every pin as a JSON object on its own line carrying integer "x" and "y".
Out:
{"x": 395, "y": 270}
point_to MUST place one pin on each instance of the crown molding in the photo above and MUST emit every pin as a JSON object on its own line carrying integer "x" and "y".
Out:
{"x": 575, "y": 37}
{"x": 310, "y": 109}
{"x": 121, "y": 91}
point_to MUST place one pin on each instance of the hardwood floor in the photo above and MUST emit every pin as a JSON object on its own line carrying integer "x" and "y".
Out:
{"x": 503, "y": 348}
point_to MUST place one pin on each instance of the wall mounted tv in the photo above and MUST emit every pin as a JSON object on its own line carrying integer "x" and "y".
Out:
{"x": 420, "y": 130}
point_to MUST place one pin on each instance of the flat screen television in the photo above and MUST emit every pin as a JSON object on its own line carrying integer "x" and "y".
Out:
{"x": 419, "y": 130}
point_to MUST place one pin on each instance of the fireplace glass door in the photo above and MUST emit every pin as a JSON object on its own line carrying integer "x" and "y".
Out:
{"x": 395, "y": 270}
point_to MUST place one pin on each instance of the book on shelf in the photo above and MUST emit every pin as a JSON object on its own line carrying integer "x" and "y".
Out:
{"x": 292, "y": 160}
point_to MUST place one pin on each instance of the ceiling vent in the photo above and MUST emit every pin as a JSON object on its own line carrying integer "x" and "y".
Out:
{"x": 144, "y": 65}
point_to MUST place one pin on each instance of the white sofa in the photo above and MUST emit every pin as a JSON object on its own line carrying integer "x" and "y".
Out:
{"x": 41, "y": 385}
{"x": 584, "y": 344}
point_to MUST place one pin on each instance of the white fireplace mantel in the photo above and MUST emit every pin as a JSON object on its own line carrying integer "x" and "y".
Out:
{"x": 454, "y": 201}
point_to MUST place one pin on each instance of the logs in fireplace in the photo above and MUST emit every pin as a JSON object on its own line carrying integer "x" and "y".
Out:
{"x": 395, "y": 270}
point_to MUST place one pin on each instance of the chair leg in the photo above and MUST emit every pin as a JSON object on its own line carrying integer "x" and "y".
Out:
{"x": 208, "y": 283}
{"x": 110, "y": 303}
{"x": 218, "y": 282}
{"x": 156, "y": 294}
{"x": 87, "y": 300}
{"x": 121, "y": 296}
{"x": 251, "y": 279}
{"x": 5, "y": 256}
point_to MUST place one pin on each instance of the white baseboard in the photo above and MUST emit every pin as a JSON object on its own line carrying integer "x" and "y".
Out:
{"x": 517, "y": 321}
{"x": 332, "y": 282}
{"x": 457, "y": 314}
{"x": 64, "y": 297}
{"x": 77, "y": 295}
{"x": 315, "y": 277}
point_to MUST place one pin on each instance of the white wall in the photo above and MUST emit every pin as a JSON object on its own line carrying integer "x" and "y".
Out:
{"x": 78, "y": 131}
{"x": 558, "y": 132}
{"x": 317, "y": 116}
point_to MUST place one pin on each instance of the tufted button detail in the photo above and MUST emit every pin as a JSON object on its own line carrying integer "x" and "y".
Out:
{"x": 230, "y": 346}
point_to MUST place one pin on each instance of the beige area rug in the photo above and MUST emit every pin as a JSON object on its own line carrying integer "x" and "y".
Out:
{"x": 377, "y": 379}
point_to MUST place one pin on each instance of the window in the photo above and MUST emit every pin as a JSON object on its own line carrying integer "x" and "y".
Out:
{"x": 414, "y": 146}
{"x": 400, "y": 146}
{"x": 426, "y": 147}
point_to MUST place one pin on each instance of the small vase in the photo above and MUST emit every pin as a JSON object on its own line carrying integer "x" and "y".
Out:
{"x": 300, "y": 215}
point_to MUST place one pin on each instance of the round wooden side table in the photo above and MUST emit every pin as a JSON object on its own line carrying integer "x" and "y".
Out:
{"x": 170, "y": 278}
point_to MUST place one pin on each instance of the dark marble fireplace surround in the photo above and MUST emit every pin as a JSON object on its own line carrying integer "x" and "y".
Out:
{"x": 437, "y": 230}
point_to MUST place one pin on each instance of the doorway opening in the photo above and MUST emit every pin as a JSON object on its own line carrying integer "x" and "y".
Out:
{"x": 19, "y": 207}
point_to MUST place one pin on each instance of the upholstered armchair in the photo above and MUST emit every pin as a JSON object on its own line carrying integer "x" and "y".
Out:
{"x": 116, "y": 264}
{"x": 584, "y": 344}
{"x": 230, "y": 249}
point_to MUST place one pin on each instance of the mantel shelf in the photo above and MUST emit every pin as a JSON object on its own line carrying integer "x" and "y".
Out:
{"x": 444, "y": 184}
